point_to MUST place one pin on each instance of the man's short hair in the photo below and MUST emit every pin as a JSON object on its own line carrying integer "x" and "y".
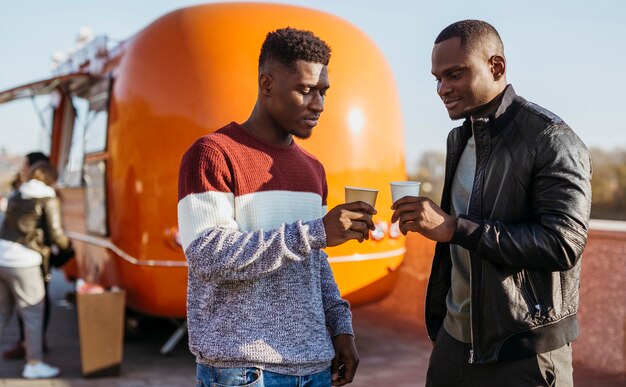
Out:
{"x": 474, "y": 34}
{"x": 34, "y": 157}
{"x": 288, "y": 45}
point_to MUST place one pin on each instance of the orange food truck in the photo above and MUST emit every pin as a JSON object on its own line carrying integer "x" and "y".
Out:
{"x": 124, "y": 114}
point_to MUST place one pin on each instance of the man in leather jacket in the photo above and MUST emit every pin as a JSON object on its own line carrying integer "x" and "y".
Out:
{"x": 511, "y": 228}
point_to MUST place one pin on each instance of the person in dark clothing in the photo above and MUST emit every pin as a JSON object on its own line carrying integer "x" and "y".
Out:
{"x": 18, "y": 351}
{"x": 33, "y": 219}
{"x": 502, "y": 299}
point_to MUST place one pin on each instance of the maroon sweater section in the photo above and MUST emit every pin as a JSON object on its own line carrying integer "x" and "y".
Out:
{"x": 232, "y": 160}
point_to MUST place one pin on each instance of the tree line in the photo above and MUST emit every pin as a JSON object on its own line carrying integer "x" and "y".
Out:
{"x": 608, "y": 183}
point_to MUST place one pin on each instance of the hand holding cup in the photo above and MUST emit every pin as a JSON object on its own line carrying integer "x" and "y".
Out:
{"x": 420, "y": 214}
{"x": 355, "y": 194}
{"x": 400, "y": 189}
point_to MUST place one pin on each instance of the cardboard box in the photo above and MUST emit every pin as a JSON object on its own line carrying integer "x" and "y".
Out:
{"x": 101, "y": 332}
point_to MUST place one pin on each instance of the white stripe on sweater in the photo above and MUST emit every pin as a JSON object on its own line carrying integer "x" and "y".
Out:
{"x": 266, "y": 210}
{"x": 199, "y": 212}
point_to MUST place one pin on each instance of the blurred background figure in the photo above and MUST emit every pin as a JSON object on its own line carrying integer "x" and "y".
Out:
{"x": 32, "y": 224}
{"x": 18, "y": 351}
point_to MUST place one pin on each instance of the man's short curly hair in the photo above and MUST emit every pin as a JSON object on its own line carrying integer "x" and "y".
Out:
{"x": 288, "y": 45}
{"x": 474, "y": 34}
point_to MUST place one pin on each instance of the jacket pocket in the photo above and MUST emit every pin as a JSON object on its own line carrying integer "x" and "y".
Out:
{"x": 530, "y": 294}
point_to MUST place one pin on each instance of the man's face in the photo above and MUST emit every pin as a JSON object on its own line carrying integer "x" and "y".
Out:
{"x": 297, "y": 97}
{"x": 464, "y": 80}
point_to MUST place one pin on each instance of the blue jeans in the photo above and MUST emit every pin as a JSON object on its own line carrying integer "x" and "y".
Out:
{"x": 208, "y": 376}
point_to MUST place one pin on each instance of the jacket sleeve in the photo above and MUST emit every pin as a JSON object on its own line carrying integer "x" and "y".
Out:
{"x": 214, "y": 246}
{"x": 336, "y": 309}
{"x": 561, "y": 203}
{"x": 52, "y": 223}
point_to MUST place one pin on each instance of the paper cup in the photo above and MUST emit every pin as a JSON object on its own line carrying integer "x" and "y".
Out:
{"x": 400, "y": 189}
{"x": 355, "y": 194}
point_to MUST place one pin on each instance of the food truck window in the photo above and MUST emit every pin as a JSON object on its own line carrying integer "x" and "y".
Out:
{"x": 97, "y": 122}
{"x": 83, "y": 151}
{"x": 95, "y": 164}
{"x": 95, "y": 197}
{"x": 87, "y": 132}
{"x": 96, "y": 131}
{"x": 73, "y": 144}
{"x": 30, "y": 120}
{"x": 56, "y": 94}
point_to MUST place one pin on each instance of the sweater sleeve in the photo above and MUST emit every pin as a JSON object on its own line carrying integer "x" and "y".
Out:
{"x": 336, "y": 309}
{"x": 230, "y": 255}
{"x": 214, "y": 246}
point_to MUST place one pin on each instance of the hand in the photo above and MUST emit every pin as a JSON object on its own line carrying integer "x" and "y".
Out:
{"x": 348, "y": 221}
{"x": 420, "y": 214}
{"x": 346, "y": 360}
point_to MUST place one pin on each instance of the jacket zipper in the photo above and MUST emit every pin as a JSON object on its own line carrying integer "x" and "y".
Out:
{"x": 532, "y": 299}
{"x": 471, "y": 354}
{"x": 536, "y": 303}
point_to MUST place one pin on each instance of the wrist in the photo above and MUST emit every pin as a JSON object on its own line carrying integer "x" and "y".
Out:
{"x": 317, "y": 234}
{"x": 468, "y": 232}
{"x": 453, "y": 224}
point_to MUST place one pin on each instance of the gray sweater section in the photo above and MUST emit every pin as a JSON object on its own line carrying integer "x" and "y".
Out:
{"x": 264, "y": 299}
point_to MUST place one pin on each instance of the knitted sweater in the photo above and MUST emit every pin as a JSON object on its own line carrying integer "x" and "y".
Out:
{"x": 260, "y": 290}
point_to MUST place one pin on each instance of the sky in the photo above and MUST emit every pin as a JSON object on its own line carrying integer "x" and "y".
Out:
{"x": 566, "y": 55}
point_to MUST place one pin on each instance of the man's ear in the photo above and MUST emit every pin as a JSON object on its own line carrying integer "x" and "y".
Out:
{"x": 498, "y": 66}
{"x": 265, "y": 84}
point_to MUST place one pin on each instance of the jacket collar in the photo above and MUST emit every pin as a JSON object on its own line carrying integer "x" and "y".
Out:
{"x": 502, "y": 114}
{"x": 509, "y": 106}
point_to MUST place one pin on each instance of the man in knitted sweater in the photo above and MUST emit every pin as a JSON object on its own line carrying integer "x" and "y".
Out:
{"x": 262, "y": 304}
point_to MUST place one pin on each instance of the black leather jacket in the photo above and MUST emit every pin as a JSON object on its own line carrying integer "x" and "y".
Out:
{"x": 525, "y": 230}
{"x": 36, "y": 224}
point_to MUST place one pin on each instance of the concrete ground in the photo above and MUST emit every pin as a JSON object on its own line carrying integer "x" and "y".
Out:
{"x": 394, "y": 353}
